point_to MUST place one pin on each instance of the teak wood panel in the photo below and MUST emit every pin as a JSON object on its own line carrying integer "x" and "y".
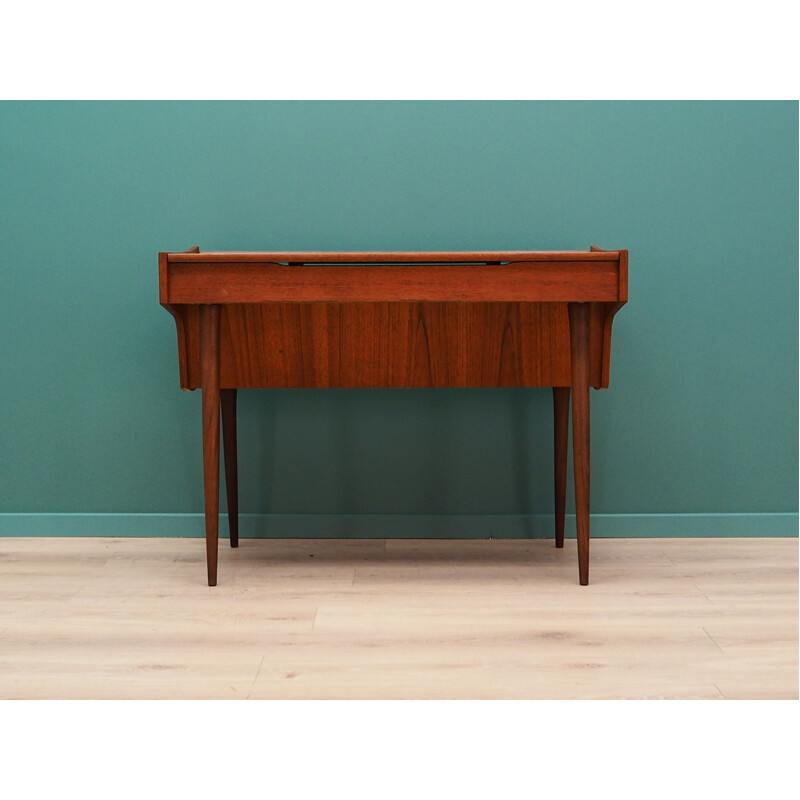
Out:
{"x": 578, "y": 280}
{"x": 338, "y": 345}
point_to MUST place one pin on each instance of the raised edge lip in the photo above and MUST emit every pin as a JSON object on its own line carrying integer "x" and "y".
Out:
{"x": 391, "y": 257}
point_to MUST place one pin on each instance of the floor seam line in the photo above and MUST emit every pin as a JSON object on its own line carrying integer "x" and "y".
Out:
{"x": 704, "y": 594}
{"x": 258, "y": 672}
{"x": 713, "y": 640}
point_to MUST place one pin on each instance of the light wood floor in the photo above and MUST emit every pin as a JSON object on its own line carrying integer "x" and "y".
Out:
{"x": 133, "y": 618}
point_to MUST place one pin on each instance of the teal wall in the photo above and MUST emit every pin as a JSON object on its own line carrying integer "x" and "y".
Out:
{"x": 701, "y": 415}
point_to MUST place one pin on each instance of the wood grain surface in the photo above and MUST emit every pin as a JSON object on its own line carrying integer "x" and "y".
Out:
{"x": 246, "y": 282}
{"x": 393, "y": 345}
{"x": 373, "y": 619}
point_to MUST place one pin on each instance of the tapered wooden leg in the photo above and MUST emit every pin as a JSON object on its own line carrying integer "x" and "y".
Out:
{"x": 579, "y": 352}
{"x": 228, "y": 397}
{"x": 561, "y": 437}
{"x": 209, "y": 378}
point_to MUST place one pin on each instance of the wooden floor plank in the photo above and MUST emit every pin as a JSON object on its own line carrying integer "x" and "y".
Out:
{"x": 486, "y": 619}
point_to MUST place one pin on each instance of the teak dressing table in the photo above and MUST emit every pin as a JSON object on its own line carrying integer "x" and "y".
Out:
{"x": 394, "y": 320}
